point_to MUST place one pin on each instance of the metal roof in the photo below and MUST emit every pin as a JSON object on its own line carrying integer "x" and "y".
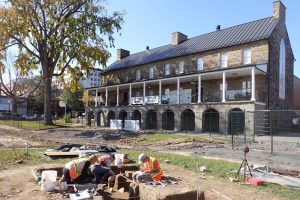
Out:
{"x": 235, "y": 35}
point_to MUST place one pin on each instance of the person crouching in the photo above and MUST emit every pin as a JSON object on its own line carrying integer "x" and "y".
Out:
{"x": 102, "y": 169}
{"x": 150, "y": 171}
{"x": 77, "y": 171}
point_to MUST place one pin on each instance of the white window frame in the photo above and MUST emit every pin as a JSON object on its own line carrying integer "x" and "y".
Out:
{"x": 246, "y": 56}
{"x": 200, "y": 63}
{"x": 138, "y": 75}
{"x": 246, "y": 86}
{"x": 167, "y": 69}
{"x": 181, "y": 67}
{"x": 151, "y": 72}
{"x": 224, "y": 60}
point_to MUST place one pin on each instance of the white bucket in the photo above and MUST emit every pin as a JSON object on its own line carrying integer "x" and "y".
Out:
{"x": 119, "y": 159}
{"x": 48, "y": 179}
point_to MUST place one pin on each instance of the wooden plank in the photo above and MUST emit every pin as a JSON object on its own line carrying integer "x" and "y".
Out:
{"x": 59, "y": 153}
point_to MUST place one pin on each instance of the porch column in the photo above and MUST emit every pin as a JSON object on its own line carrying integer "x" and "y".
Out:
{"x": 253, "y": 84}
{"x": 178, "y": 93}
{"x": 144, "y": 93}
{"x": 129, "y": 94}
{"x": 199, "y": 88}
{"x": 118, "y": 95}
{"x": 106, "y": 96}
{"x": 96, "y": 100}
{"x": 224, "y": 88}
{"x": 159, "y": 94}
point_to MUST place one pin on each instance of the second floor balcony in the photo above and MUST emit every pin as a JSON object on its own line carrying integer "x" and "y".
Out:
{"x": 201, "y": 88}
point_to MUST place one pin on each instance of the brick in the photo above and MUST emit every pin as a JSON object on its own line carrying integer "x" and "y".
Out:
{"x": 254, "y": 181}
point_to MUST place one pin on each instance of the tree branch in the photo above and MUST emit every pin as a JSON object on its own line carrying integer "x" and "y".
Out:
{"x": 37, "y": 86}
{"x": 64, "y": 68}
{"x": 66, "y": 15}
{"x": 44, "y": 19}
{"x": 10, "y": 45}
{"x": 23, "y": 45}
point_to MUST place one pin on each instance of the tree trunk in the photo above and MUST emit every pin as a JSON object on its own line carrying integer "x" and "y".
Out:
{"x": 14, "y": 108}
{"x": 47, "y": 101}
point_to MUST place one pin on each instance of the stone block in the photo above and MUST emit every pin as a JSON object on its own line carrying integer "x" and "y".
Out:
{"x": 134, "y": 191}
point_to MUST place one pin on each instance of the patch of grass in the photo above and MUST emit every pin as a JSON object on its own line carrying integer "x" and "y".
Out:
{"x": 217, "y": 168}
{"x": 34, "y": 156}
{"x": 31, "y": 125}
{"x": 283, "y": 192}
{"x": 158, "y": 137}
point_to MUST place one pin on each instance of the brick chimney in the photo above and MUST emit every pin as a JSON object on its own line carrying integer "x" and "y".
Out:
{"x": 178, "y": 37}
{"x": 279, "y": 10}
{"x": 122, "y": 53}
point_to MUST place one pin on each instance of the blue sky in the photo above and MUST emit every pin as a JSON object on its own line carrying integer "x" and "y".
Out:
{"x": 150, "y": 23}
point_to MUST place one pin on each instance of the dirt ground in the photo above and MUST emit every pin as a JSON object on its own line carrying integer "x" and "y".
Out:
{"x": 19, "y": 183}
{"x": 287, "y": 149}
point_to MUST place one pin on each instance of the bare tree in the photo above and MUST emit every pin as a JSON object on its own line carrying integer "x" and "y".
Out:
{"x": 14, "y": 83}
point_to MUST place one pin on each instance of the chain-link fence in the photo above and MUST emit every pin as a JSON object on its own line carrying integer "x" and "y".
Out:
{"x": 275, "y": 132}
{"x": 36, "y": 122}
{"x": 278, "y": 132}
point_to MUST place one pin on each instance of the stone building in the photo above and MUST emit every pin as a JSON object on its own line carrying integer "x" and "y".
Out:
{"x": 296, "y": 93}
{"x": 196, "y": 83}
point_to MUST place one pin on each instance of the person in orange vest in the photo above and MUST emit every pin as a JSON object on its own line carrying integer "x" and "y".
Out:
{"x": 77, "y": 171}
{"x": 150, "y": 171}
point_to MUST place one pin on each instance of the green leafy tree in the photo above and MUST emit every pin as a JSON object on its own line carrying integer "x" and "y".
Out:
{"x": 73, "y": 99}
{"x": 58, "y": 36}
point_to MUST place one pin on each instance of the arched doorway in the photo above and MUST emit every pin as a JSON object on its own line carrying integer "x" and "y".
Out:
{"x": 151, "y": 119}
{"x": 187, "y": 120}
{"x": 100, "y": 118}
{"x": 110, "y": 115}
{"x": 167, "y": 120}
{"x": 136, "y": 115}
{"x": 210, "y": 121}
{"x": 236, "y": 121}
{"x": 123, "y": 116}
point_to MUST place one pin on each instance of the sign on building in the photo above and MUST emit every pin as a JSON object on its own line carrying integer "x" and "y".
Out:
{"x": 185, "y": 96}
{"x": 137, "y": 100}
{"x": 151, "y": 99}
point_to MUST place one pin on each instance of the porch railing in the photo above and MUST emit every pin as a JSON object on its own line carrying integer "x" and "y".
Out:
{"x": 238, "y": 95}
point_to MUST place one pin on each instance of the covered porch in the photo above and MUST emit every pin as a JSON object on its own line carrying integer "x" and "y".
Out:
{"x": 239, "y": 84}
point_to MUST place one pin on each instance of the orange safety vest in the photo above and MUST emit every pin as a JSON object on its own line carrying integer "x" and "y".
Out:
{"x": 75, "y": 167}
{"x": 150, "y": 168}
